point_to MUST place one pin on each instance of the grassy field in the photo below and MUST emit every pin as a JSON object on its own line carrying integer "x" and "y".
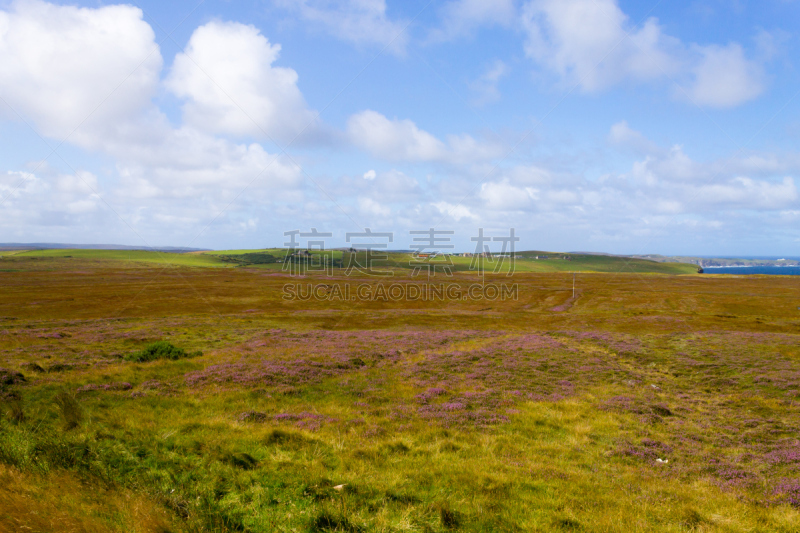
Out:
{"x": 645, "y": 402}
{"x": 62, "y": 258}
{"x": 524, "y": 262}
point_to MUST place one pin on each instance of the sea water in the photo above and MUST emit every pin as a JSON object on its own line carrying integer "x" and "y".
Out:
{"x": 772, "y": 270}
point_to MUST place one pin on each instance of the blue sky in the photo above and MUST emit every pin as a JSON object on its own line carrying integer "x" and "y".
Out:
{"x": 600, "y": 125}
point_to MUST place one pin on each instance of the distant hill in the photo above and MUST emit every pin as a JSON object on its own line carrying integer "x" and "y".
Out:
{"x": 62, "y": 246}
{"x": 273, "y": 259}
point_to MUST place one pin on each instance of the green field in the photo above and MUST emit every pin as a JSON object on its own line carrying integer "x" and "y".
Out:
{"x": 524, "y": 261}
{"x": 80, "y": 257}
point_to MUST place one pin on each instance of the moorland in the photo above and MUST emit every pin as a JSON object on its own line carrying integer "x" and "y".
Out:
{"x": 185, "y": 392}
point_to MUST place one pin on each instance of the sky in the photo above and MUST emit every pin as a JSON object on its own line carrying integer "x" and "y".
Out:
{"x": 583, "y": 125}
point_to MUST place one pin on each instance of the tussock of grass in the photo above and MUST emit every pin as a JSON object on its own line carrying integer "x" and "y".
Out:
{"x": 450, "y": 519}
{"x": 241, "y": 460}
{"x": 69, "y": 409}
{"x": 287, "y": 437}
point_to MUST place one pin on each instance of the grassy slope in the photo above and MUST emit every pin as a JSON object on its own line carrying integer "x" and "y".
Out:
{"x": 133, "y": 256}
{"x": 525, "y": 263}
{"x": 696, "y": 370}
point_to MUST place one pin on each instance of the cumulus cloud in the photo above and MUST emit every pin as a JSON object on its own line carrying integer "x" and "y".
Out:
{"x": 64, "y": 67}
{"x": 663, "y": 184}
{"x": 724, "y": 77}
{"x": 48, "y": 199}
{"x": 358, "y": 21}
{"x": 594, "y": 45}
{"x": 402, "y": 140}
{"x": 393, "y": 139}
{"x": 747, "y": 193}
{"x": 227, "y": 77}
{"x": 455, "y": 211}
{"x": 17, "y": 184}
{"x": 190, "y": 164}
{"x": 60, "y": 65}
{"x": 504, "y": 195}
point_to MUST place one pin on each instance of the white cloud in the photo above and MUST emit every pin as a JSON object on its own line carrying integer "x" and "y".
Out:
{"x": 724, "y": 77}
{"x": 746, "y": 193}
{"x": 48, "y": 199}
{"x": 369, "y": 175}
{"x": 402, "y": 140}
{"x": 455, "y": 211}
{"x": 16, "y": 184}
{"x": 503, "y": 195}
{"x": 369, "y": 206}
{"x": 592, "y": 44}
{"x": 585, "y": 42}
{"x": 462, "y": 17}
{"x": 189, "y": 164}
{"x": 665, "y": 186}
{"x": 357, "y": 21}
{"x": 398, "y": 140}
{"x": 63, "y": 65}
{"x": 57, "y": 64}
{"x": 226, "y": 75}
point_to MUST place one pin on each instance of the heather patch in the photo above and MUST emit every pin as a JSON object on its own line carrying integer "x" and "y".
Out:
{"x": 615, "y": 341}
{"x": 734, "y": 476}
{"x": 116, "y": 386}
{"x": 647, "y": 450}
{"x": 784, "y": 454}
{"x": 266, "y": 373}
{"x": 368, "y": 344}
{"x": 789, "y": 491}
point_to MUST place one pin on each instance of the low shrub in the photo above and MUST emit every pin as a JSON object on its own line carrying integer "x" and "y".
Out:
{"x": 160, "y": 350}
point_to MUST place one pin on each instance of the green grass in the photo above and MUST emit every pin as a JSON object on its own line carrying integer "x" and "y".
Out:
{"x": 166, "y": 259}
{"x": 403, "y": 262}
